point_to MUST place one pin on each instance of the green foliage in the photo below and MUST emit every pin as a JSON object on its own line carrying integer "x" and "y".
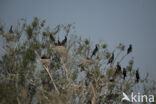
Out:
{"x": 35, "y": 22}
{"x": 24, "y": 78}
{"x": 110, "y": 72}
{"x": 8, "y": 93}
{"x": 29, "y": 55}
{"x": 121, "y": 47}
{"x": 43, "y": 23}
{"x": 29, "y": 31}
{"x": 104, "y": 46}
{"x": 87, "y": 42}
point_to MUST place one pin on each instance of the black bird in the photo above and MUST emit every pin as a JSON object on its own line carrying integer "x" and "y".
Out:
{"x": 94, "y": 51}
{"x": 10, "y": 30}
{"x": 52, "y": 38}
{"x": 111, "y": 59}
{"x": 64, "y": 41}
{"x": 44, "y": 57}
{"x": 129, "y": 49}
{"x": 9, "y": 36}
{"x": 137, "y": 76}
{"x": 118, "y": 68}
{"x": 45, "y": 60}
{"x": 58, "y": 42}
{"x": 111, "y": 80}
{"x": 124, "y": 73}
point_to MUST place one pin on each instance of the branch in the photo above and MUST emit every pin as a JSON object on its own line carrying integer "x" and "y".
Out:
{"x": 122, "y": 58}
{"x": 17, "y": 98}
{"x": 16, "y": 81}
{"x": 66, "y": 69}
{"x": 94, "y": 93}
{"x": 117, "y": 56}
{"x": 52, "y": 79}
{"x": 3, "y": 50}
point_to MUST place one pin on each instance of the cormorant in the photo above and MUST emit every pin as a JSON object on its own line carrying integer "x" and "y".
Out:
{"x": 118, "y": 67}
{"x": 137, "y": 76}
{"x": 10, "y": 35}
{"x": 52, "y": 38}
{"x": 10, "y": 30}
{"x": 124, "y": 73}
{"x": 58, "y": 42}
{"x": 111, "y": 80}
{"x": 111, "y": 59}
{"x": 44, "y": 57}
{"x": 45, "y": 60}
{"x": 129, "y": 50}
{"x": 64, "y": 41}
{"x": 94, "y": 51}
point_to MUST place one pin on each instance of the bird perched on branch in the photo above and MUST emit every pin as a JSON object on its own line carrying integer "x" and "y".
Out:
{"x": 58, "y": 42}
{"x": 45, "y": 61}
{"x": 124, "y": 73}
{"x": 129, "y": 50}
{"x": 94, "y": 51}
{"x": 137, "y": 76}
{"x": 10, "y": 35}
{"x": 10, "y": 30}
{"x": 118, "y": 68}
{"x": 111, "y": 80}
{"x": 64, "y": 41}
{"x": 111, "y": 59}
{"x": 52, "y": 38}
{"x": 61, "y": 50}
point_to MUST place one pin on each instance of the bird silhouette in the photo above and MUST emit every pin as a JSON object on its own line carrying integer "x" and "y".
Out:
{"x": 129, "y": 50}
{"x": 52, "y": 38}
{"x": 124, "y": 73}
{"x": 58, "y": 42}
{"x": 137, "y": 76}
{"x": 44, "y": 57}
{"x": 64, "y": 41}
{"x": 111, "y": 80}
{"x": 9, "y": 36}
{"x": 45, "y": 60}
{"x": 111, "y": 59}
{"x": 94, "y": 51}
{"x": 118, "y": 68}
{"x": 10, "y": 30}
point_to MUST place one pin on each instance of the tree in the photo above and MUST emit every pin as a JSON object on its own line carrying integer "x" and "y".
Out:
{"x": 35, "y": 68}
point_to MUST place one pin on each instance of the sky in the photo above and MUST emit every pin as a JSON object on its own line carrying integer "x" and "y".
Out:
{"x": 112, "y": 21}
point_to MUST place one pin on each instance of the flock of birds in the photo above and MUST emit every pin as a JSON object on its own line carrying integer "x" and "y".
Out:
{"x": 59, "y": 47}
{"x": 118, "y": 67}
{"x": 44, "y": 60}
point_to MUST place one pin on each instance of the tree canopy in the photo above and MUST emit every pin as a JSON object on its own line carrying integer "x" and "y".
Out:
{"x": 40, "y": 65}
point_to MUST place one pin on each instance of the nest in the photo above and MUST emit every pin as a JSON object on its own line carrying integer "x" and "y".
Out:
{"x": 45, "y": 62}
{"x": 62, "y": 52}
{"x": 87, "y": 62}
{"x": 9, "y": 36}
